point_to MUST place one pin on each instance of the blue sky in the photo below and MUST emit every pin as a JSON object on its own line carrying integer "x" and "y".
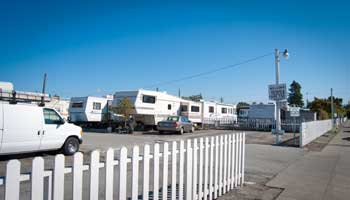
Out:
{"x": 99, "y": 47}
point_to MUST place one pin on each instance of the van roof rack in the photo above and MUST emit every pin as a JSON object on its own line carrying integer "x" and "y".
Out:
{"x": 14, "y": 97}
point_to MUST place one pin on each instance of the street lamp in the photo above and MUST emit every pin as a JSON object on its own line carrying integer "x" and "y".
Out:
{"x": 278, "y": 130}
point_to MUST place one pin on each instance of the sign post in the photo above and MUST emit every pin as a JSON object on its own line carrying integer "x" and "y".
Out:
{"x": 294, "y": 112}
{"x": 278, "y": 92}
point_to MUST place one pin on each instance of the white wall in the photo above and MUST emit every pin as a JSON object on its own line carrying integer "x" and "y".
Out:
{"x": 312, "y": 130}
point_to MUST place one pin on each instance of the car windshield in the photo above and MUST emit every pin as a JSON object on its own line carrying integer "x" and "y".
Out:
{"x": 173, "y": 118}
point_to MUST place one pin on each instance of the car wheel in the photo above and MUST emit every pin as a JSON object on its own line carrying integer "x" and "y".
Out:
{"x": 182, "y": 131}
{"x": 71, "y": 146}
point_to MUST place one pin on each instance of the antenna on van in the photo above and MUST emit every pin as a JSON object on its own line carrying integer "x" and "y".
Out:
{"x": 42, "y": 102}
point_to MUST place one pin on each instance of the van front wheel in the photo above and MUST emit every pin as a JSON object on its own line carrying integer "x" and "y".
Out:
{"x": 71, "y": 146}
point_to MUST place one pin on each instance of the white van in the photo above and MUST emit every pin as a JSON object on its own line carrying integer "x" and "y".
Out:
{"x": 30, "y": 128}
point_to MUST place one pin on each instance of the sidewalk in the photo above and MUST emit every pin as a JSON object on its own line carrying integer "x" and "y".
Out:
{"x": 319, "y": 175}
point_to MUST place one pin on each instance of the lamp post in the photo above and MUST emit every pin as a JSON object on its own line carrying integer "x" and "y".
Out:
{"x": 278, "y": 131}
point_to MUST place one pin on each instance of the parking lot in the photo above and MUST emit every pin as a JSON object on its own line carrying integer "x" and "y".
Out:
{"x": 103, "y": 141}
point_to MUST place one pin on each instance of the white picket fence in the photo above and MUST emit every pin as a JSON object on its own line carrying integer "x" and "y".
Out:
{"x": 203, "y": 168}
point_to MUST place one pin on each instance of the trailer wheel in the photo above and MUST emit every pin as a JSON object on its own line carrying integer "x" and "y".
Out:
{"x": 71, "y": 146}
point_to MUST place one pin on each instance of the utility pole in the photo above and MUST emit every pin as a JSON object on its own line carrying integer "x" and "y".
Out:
{"x": 278, "y": 111}
{"x": 179, "y": 93}
{"x": 42, "y": 103}
{"x": 332, "y": 107}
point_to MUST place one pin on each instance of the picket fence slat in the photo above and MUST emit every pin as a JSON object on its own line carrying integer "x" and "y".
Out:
{"x": 165, "y": 170}
{"x": 211, "y": 167}
{"x": 135, "y": 173}
{"x": 173, "y": 170}
{"x": 155, "y": 171}
{"x": 201, "y": 169}
{"x": 109, "y": 174}
{"x": 189, "y": 170}
{"x": 239, "y": 159}
{"x": 77, "y": 176}
{"x": 195, "y": 172}
{"x": 58, "y": 178}
{"x": 123, "y": 169}
{"x": 229, "y": 150}
{"x": 13, "y": 172}
{"x": 225, "y": 164}
{"x": 220, "y": 164}
{"x": 146, "y": 157}
{"x": 201, "y": 164}
{"x": 181, "y": 170}
{"x": 243, "y": 157}
{"x": 94, "y": 174}
{"x": 233, "y": 161}
{"x": 216, "y": 178}
{"x": 206, "y": 163}
{"x": 37, "y": 179}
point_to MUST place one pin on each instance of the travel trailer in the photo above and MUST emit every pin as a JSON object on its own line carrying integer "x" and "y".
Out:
{"x": 88, "y": 110}
{"x": 27, "y": 127}
{"x": 151, "y": 107}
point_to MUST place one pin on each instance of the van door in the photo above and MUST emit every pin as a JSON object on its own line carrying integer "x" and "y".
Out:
{"x": 21, "y": 128}
{"x": 53, "y": 134}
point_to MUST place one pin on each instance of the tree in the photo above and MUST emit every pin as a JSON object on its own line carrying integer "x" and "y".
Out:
{"x": 124, "y": 107}
{"x": 295, "y": 96}
{"x": 194, "y": 97}
{"x": 320, "y": 106}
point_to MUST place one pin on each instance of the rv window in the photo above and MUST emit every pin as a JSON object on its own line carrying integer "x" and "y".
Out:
{"x": 184, "y": 108}
{"x": 77, "y": 105}
{"x": 223, "y": 110}
{"x": 148, "y": 99}
{"x": 169, "y": 106}
{"x": 211, "y": 109}
{"x": 51, "y": 117}
{"x": 96, "y": 106}
{"x": 194, "y": 109}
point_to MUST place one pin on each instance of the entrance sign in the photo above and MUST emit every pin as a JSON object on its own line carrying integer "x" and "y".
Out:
{"x": 278, "y": 92}
{"x": 294, "y": 111}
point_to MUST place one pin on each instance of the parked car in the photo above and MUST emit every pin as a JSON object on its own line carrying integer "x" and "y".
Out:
{"x": 30, "y": 128}
{"x": 179, "y": 124}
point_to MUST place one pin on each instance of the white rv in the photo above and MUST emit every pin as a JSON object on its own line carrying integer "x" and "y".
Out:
{"x": 222, "y": 112}
{"x": 88, "y": 110}
{"x": 150, "y": 107}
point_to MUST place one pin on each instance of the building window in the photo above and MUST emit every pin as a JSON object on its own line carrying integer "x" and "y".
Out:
{"x": 96, "y": 106}
{"x": 77, "y": 105}
{"x": 211, "y": 109}
{"x": 184, "y": 108}
{"x": 148, "y": 99}
{"x": 194, "y": 109}
{"x": 169, "y": 106}
{"x": 223, "y": 110}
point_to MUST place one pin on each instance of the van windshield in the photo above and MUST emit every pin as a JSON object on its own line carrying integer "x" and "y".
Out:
{"x": 173, "y": 118}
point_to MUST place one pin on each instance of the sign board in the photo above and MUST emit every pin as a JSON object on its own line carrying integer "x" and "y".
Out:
{"x": 278, "y": 92}
{"x": 294, "y": 111}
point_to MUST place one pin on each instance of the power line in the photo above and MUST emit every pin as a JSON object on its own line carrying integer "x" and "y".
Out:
{"x": 209, "y": 72}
